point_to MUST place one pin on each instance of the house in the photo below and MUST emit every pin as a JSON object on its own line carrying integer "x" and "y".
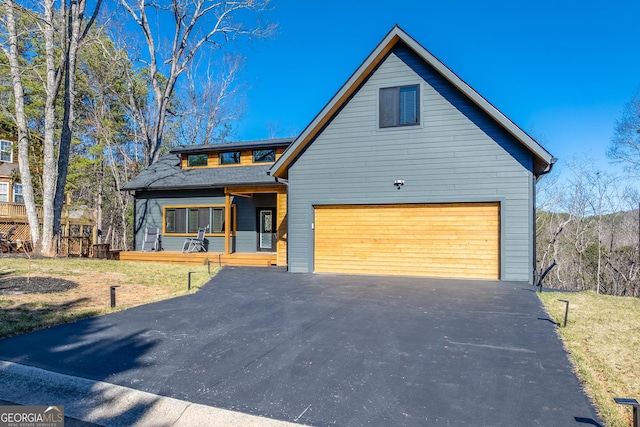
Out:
{"x": 10, "y": 190}
{"x": 224, "y": 188}
{"x": 406, "y": 171}
{"x": 13, "y": 213}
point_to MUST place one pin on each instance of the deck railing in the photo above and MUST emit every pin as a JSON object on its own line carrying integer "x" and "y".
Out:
{"x": 16, "y": 210}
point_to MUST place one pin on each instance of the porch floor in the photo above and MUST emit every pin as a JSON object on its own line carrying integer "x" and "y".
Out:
{"x": 244, "y": 259}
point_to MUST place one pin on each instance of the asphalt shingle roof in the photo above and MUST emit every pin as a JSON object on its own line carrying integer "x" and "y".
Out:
{"x": 166, "y": 174}
{"x": 6, "y": 169}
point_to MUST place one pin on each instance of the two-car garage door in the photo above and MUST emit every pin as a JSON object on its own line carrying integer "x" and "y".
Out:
{"x": 459, "y": 240}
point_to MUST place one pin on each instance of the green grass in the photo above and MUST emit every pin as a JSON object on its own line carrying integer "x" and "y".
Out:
{"x": 602, "y": 337}
{"x": 151, "y": 282}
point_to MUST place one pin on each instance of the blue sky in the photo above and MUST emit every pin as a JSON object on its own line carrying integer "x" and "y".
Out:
{"x": 562, "y": 70}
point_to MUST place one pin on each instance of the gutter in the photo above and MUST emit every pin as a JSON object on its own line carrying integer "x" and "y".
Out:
{"x": 547, "y": 170}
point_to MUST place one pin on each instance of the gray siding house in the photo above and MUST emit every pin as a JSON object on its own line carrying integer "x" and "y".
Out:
{"x": 409, "y": 171}
{"x": 406, "y": 171}
{"x": 223, "y": 188}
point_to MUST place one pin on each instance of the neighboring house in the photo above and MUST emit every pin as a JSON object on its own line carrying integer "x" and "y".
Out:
{"x": 406, "y": 171}
{"x": 222, "y": 187}
{"x": 10, "y": 191}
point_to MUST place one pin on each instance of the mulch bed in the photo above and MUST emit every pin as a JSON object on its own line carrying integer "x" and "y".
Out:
{"x": 33, "y": 285}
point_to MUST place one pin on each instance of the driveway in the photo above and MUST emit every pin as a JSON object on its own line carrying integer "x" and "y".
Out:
{"x": 332, "y": 350}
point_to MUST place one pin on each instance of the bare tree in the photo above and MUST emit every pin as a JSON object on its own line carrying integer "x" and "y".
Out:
{"x": 625, "y": 144}
{"x": 210, "y": 102}
{"x": 11, "y": 51}
{"x": 197, "y": 24}
{"x": 62, "y": 31}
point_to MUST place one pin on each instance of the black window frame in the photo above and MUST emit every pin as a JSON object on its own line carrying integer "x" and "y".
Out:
{"x": 197, "y": 160}
{"x": 222, "y": 158}
{"x": 392, "y": 110}
{"x": 185, "y": 220}
{"x": 260, "y": 155}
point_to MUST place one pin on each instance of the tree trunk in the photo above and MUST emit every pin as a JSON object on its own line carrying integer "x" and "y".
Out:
{"x": 50, "y": 172}
{"x": 76, "y": 13}
{"x": 21, "y": 123}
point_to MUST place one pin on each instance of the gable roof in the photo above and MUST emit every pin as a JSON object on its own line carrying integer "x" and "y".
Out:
{"x": 543, "y": 160}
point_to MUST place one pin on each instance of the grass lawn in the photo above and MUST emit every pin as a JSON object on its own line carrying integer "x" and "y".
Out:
{"x": 89, "y": 283}
{"x": 603, "y": 340}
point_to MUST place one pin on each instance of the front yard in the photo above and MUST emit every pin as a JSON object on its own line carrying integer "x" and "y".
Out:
{"x": 602, "y": 335}
{"x": 44, "y": 292}
{"x": 603, "y": 340}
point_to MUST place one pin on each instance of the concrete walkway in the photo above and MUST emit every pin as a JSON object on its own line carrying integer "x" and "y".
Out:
{"x": 95, "y": 403}
{"x": 327, "y": 350}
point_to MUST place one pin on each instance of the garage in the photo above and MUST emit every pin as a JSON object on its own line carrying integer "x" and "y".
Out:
{"x": 457, "y": 240}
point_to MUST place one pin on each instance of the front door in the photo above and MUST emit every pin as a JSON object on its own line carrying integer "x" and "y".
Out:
{"x": 266, "y": 229}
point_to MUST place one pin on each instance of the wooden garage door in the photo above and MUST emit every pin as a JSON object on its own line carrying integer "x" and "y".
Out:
{"x": 441, "y": 240}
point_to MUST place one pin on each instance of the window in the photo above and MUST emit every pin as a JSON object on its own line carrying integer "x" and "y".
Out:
{"x": 197, "y": 160}
{"x": 187, "y": 220}
{"x": 230, "y": 158}
{"x": 399, "y": 106}
{"x": 4, "y": 191}
{"x": 263, "y": 156}
{"x": 6, "y": 151}
{"x": 17, "y": 193}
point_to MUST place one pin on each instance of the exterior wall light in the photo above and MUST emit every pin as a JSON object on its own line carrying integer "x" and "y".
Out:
{"x": 398, "y": 183}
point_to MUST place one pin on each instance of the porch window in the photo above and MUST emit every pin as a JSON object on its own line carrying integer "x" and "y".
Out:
{"x": 4, "y": 191}
{"x": 230, "y": 158}
{"x": 6, "y": 151}
{"x": 197, "y": 160}
{"x": 263, "y": 156}
{"x": 399, "y": 106}
{"x": 17, "y": 193}
{"x": 187, "y": 220}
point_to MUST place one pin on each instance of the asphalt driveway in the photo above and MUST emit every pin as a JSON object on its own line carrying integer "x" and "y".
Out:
{"x": 332, "y": 350}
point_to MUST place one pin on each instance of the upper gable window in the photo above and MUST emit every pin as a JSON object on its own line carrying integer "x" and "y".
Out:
{"x": 399, "y": 106}
{"x": 6, "y": 151}
{"x": 263, "y": 156}
{"x": 197, "y": 160}
{"x": 230, "y": 158}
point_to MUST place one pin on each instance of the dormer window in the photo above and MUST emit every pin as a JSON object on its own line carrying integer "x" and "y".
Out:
{"x": 230, "y": 158}
{"x": 399, "y": 106}
{"x": 197, "y": 160}
{"x": 264, "y": 156}
{"x": 6, "y": 151}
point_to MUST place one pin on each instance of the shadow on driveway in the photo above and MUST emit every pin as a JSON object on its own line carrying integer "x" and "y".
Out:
{"x": 332, "y": 350}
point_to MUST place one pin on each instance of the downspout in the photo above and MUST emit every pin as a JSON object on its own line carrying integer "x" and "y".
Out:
{"x": 135, "y": 204}
{"x": 535, "y": 226}
{"x": 286, "y": 183}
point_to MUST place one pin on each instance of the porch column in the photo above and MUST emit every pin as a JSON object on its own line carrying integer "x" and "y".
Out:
{"x": 227, "y": 222}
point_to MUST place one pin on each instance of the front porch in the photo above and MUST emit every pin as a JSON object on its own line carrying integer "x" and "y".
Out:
{"x": 245, "y": 226}
{"x": 236, "y": 259}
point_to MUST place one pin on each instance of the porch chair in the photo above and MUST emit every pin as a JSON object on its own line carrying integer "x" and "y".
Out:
{"x": 195, "y": 244}
{"x": 151, "y": 240}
